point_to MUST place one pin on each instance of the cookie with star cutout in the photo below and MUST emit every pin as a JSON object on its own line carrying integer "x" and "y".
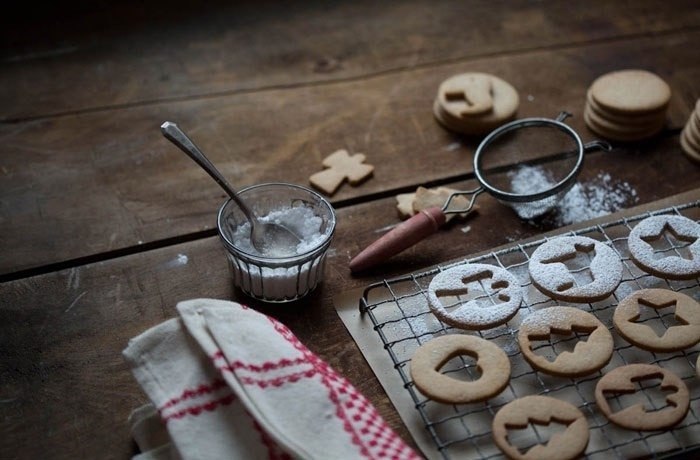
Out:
{"x": 677, "y": 337}
{"x": 667, "y": 246}
{"x": 575, "y": 269}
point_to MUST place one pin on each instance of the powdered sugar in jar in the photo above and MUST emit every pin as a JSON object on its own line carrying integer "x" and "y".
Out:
{"x": 290, "y": 273}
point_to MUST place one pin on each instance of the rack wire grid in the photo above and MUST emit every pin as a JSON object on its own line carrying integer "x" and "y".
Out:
{"x": 400, "y": 315}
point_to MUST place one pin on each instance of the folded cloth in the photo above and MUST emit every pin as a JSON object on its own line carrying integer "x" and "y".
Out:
{"x": 229, "y": 382}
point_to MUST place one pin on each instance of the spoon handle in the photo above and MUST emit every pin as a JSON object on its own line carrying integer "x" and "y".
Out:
{"x": 175, "y": 135}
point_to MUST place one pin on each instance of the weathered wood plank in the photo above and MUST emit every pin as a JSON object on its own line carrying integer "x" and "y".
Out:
{"x": 85, "y": 56}
{"x": 65, "y": 391}
{"x": 91, "y": 183}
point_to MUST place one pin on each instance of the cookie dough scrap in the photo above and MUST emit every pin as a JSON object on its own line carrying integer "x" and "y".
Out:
{"x": 409, "y": 204}
{"x": 340, "y": 167}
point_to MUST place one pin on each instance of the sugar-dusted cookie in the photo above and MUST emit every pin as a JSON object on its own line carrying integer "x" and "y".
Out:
{"x": 340, "y": 167}
{"x": 491, "y": 361}
{"x": 625, "y": 380}
{"x": 678, "y": 337}
{"x": 475, "y": 103}
{"x": 474, "y": 296}
{"x": 542, "y": 410}
{"x": 589, "y": 354}
{"x": 670, "y": 263}
{"x": 550, "y": 274}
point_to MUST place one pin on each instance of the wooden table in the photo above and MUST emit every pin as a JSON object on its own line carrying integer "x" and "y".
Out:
{"x": 97, "y": 209}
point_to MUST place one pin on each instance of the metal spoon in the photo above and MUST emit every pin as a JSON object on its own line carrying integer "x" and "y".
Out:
{"x": 269, "y": 238}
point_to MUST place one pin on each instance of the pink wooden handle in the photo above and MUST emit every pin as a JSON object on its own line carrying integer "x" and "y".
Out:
{"x": 408, "y": 233}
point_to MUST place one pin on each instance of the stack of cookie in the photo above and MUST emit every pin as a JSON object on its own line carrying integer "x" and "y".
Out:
{"x": 627, "y": 105}
{"x": 690, "y": 136}
{"x": 475, "y": 103}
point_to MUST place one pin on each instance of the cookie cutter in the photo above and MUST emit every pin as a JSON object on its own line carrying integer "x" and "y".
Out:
{"x": 428, "y": 221}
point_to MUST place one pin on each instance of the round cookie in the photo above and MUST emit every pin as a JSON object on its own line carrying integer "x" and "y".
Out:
{"x": 675, "y": 338}
{"x": 631, "y": 92}
{"x": 620, "y": 133}
{"x": 542, "y": 410}
{"x": 689, "y": 149}
{"x": 638, "y": 120}
{"x": 588, "y": 355}
{"x": 690, "y": 136}
{"x": 670, "y": 266}
{"x": 551, "y": 276}
{"x": 624, "y": 380}
{"x": 624, "y": 128}
{"x": 475, "y": 103}
{"x": 497, "y": 283}
{"x": 491, "y": 361}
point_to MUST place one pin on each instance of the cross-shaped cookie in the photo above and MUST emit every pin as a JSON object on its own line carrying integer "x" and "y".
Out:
{"x": 341, "y": 166}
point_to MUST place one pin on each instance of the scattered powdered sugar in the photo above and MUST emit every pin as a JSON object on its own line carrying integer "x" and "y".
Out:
{"x": 595, "y": 198}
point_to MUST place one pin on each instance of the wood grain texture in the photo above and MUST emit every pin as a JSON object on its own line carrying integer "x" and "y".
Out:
{"x": 266, "y": 89}
{"x": 92, "y": 183}
{"x": 85, "y": 56}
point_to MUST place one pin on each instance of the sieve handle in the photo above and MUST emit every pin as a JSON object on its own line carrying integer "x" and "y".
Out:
{"x": 402, "y": 237}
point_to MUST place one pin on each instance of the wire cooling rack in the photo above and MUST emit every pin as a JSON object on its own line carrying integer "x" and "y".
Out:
{"x": 400, "y": 316}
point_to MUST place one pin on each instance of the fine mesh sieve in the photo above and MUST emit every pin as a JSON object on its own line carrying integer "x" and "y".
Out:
{"x": 527, "y": 164}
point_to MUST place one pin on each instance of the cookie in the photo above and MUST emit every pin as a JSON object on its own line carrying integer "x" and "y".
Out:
{"x": 617, "y": 134}
{"x": 475, "y": 103}
{"x": 631, "y": 92}
{"x": 669, "y": 263}
{"x": 621, "y": 131}
{"x": 690, "y": 135}
{"x": 340, "y": 167}
{"x": 675, "y": 338}
{"x": 589, "y": 355}
{"x": 627, "y": 106}
{"x": 542, "y": 410}
{"x": 491, "y": 361}
{"x": 625, "y": 380}
{"x": 409, "y": 204}
{"x": 466, "y": 296}
{"x": 550, "y": 274}
{"x": 643, "y": 119}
